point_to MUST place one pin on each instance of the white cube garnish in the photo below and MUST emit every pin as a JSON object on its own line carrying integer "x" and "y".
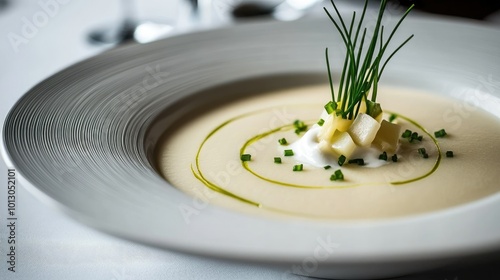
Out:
{"x": 343, "y": 144}
{"x": 364, "y": 129}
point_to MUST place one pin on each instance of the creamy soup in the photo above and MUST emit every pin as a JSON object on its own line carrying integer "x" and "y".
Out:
{"x": 202, "y": 158}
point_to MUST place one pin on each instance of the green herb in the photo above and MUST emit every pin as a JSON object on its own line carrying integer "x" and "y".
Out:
{"x": 277, "y": 160}
{"x": 358, "y": 161}
{"x": 330, "y": 107}
{"x": 341, "y": 160}
{"x": 440, "y": 133}
{"x": 449, "y": 154}
{"x": 321, "y": 122}
{"x": 327, "y": 167}
{"x": 246, "y": 157}
{"x": 406, "y": 134}
{"x": 282, "y": 141}
{"x": 298, "y": 167}
{"x": 288, "y": 153}
{"x": 337, "y": 176}
{"x": 392, "y": 117}
{"x": 362, "y": 69}
{"x": 412, "y": 136}
{"x": 423, "y": 153}
{"x": 415, "y": 136}
{"x": 300, "y": 126}
{"x": 394, "y": 158}
{"x": 383, "y": 156}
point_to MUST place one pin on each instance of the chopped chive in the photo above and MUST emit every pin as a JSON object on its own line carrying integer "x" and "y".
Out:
{"x": 330, "y": 107}
{"x": 277, "y": 160}
{"x": 411, "y": 136}
{"x": 394, "y": 158}
{"x": 298, "y": 167}
{"x": 300, "y": 126}
{"x": 383, "y": 156}
{"x": 358, "y": 161}
{"x": 440, "y": 133}
{"x": 406, "y": 134}
{"x": 246, "y": 157}
{"x": 327, "y": 167}
{"x": 321, "y": 122}
{"x": 298, "y": 123}
{"x": 337, "y": 176}
{"x": 423, "y": 153}
{"x": 338, "y": 173}
{"x": 342, "y": 159}
{"x": 392, "y": 117}
{"x": 288, "y": 153}
{"x": 282, "y": 141}
{"x": 449, "y": 154}
{"x": 414, "y": 135}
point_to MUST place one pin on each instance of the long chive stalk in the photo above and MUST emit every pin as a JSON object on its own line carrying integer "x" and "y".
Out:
{"x": 364, "y": 63}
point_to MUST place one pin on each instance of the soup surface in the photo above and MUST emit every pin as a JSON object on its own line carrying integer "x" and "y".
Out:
{"x": 201, "y": 157}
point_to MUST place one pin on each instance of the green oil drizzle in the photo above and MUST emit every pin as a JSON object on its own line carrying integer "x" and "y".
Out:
{"x": 287, "y": 128}
{"x": 196, "y": 170}
{"x": 438, "y": 159}
{"x": 199, "y": 175}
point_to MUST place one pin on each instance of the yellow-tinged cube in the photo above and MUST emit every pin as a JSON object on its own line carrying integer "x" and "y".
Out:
{"x": 343, "y": 124}
{"x": 325, "y": 146}
{"x": 387, "y": 137}
{"x": 327, "y": 130}
{"x": 332, "y": 124}
{"x": 343, "y": 144}
{"x": 364, "y": 129}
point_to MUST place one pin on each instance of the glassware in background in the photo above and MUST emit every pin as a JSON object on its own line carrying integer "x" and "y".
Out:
{"x": 130, "y": 28}
{"x": 462, "y": 8}
{"x": 3, "y": 4}
{"x": 294, "y": 9}
{"x": 286, "y": 10}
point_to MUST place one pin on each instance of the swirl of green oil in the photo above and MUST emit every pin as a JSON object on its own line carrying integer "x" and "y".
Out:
{"x": 286, "y": 128}
{"x": 438, "y": 159}
{"x": 196, "y": 170}
{"x": 290, "y": 127}
{"x": 199, "y": 174}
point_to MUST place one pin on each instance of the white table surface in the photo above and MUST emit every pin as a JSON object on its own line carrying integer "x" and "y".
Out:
{"x": 50, "y": 245}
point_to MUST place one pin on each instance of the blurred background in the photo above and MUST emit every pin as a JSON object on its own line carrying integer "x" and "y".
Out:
{"x": 479, "y": 9}
{"x": 41, "y": 37}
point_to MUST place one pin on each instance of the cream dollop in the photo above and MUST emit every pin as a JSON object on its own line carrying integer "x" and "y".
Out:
{"x": 307, "y": 151}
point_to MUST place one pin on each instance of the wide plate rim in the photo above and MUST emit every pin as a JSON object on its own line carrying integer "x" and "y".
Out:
{"x": 298, "y": 257}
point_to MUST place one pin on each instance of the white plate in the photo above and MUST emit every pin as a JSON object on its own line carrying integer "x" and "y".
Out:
{"x": 83, "y": 139}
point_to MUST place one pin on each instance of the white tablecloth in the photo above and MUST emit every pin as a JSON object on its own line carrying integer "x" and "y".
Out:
{"x": 36, "y": 41}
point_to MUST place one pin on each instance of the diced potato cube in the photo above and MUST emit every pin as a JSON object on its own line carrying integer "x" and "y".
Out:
{"x": 331, "y": 125}
{"x": 325, "y": 146}
{"x": 343, "y": 144}
{"x": 364, "y": 129}
{"x": 343, "y": 124}
{"x": 387, "y": 137}
{"x": 327, "y": 130}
